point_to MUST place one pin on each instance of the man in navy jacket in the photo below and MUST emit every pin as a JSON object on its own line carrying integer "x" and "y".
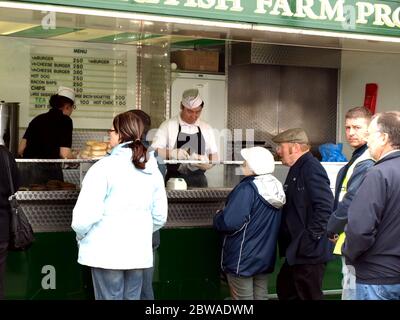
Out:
{"x": 372, "y": 234}
{"x": 309, "y": 202}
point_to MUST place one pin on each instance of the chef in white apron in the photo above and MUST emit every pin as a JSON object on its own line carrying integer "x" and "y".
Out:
{"x": 186, "y": 137}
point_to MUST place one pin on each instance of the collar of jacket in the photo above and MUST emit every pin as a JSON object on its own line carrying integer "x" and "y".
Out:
{"x": 248, "y": 178}
{"x": 359, "y": 151}
{"x": 303, "y": 159}
{"x": 121, "y": 148}
{"x": 389, "y": 157}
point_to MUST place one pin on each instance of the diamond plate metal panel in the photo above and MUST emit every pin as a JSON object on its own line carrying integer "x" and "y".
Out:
{"x": 51, "y": 211}
{"x": 198, "y": 194}
{"x": 48, "y": 211}
{"x": 276, "y": 98}
{"x": 253, "y": 97}
{"x": 52, "y": 217}
{"x": 47, "y": 195}
{"x": 72, "y": 176}
{"x": 294, "y": 56}
{"x": 192, "y": 214}
{"x": 80, "y": 136}
{"x": 308, "y": 99}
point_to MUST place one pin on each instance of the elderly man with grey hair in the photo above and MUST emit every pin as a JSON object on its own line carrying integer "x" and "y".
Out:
{"x": 372, "y": 234}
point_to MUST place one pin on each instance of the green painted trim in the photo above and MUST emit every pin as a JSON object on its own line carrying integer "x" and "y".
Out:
{"x": 39, "y": 32}
{"x": 125, "y": 37}
{"x": 197, "y": 43}
{"x": 247, "y": 15}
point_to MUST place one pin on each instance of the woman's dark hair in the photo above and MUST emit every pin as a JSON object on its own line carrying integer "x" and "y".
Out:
{"x": 130, "y": 127}
{"x": 58, "y": 102}
{"x": 144, "y": 117}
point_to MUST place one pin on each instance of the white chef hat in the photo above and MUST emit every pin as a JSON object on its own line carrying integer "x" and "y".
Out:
{"x": 191, "y": 99}
{"x": 259, "y": 159}
{"x": 66, "y": 92}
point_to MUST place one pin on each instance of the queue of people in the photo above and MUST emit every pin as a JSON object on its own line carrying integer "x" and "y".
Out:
{"x": 123, "y": 204}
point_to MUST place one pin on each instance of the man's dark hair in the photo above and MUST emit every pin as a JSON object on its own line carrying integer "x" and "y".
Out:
{"x": 57, "y": 102}
{"x": 358, "y": 112}
{"x": 389, "y": 122}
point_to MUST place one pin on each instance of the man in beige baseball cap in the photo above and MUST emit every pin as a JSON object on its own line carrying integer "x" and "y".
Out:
{"x": 186, "y": 137}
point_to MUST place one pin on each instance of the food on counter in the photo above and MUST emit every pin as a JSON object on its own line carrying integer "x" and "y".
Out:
{"x": 59, "y": 185}
{"x": 94, "y": 149}
{"x": 51, "y": 185}
{"x": 37, "y": 187}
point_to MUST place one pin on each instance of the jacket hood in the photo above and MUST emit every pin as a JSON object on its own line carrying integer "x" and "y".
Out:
{"x": 123, "y": 150}
{"x": 270, "y": 188}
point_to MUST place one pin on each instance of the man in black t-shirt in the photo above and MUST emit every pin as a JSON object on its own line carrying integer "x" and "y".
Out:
{"x": 48, "y": 136}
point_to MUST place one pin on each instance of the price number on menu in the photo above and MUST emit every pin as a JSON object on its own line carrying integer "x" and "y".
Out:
{"x": 120, "y": 100}
{"x": 77, "y": 75}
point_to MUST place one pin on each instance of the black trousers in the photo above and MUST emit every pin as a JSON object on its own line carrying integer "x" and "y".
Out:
{"x": 300, "y": 282}
{"x": 3, "y": 256}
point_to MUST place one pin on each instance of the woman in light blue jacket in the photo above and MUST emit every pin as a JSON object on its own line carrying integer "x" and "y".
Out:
{"x": 121, "y": 203}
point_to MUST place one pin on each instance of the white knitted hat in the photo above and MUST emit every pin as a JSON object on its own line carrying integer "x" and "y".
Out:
{"x": 259, "y": 159}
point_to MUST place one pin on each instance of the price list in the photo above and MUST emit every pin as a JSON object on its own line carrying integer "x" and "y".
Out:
{"x": 98, "y": 77}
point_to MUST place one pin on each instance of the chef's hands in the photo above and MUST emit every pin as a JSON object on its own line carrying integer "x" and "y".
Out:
{"x": 182, "y": 154}
{"x": 203, "y": 166}
{"x": 178, "y": 154}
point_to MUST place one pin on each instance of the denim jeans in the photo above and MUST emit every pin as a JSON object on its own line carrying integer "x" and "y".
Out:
{"x": 117, "y": 284}
{"x": 147, "y": 287}
{"x": 377, "y": 292}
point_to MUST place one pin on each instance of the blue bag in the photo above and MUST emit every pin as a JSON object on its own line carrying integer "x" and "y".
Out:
{"x": 331, "y": 152}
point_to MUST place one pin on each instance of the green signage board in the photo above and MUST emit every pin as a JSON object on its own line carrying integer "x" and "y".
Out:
{"x": 376, "y": 17}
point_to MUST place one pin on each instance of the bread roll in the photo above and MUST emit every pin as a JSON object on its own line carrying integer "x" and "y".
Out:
{"x": 90, "y": 142}
{"x": 84, "y": 154}
{"x": 98, "y": 153}
{"x": 99, "y": 146}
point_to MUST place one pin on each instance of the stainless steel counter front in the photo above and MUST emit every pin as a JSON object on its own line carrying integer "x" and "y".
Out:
{"x": 51, "y": 211}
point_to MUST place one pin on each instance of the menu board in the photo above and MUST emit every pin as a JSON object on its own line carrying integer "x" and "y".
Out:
{"x": 98, "y": 77}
